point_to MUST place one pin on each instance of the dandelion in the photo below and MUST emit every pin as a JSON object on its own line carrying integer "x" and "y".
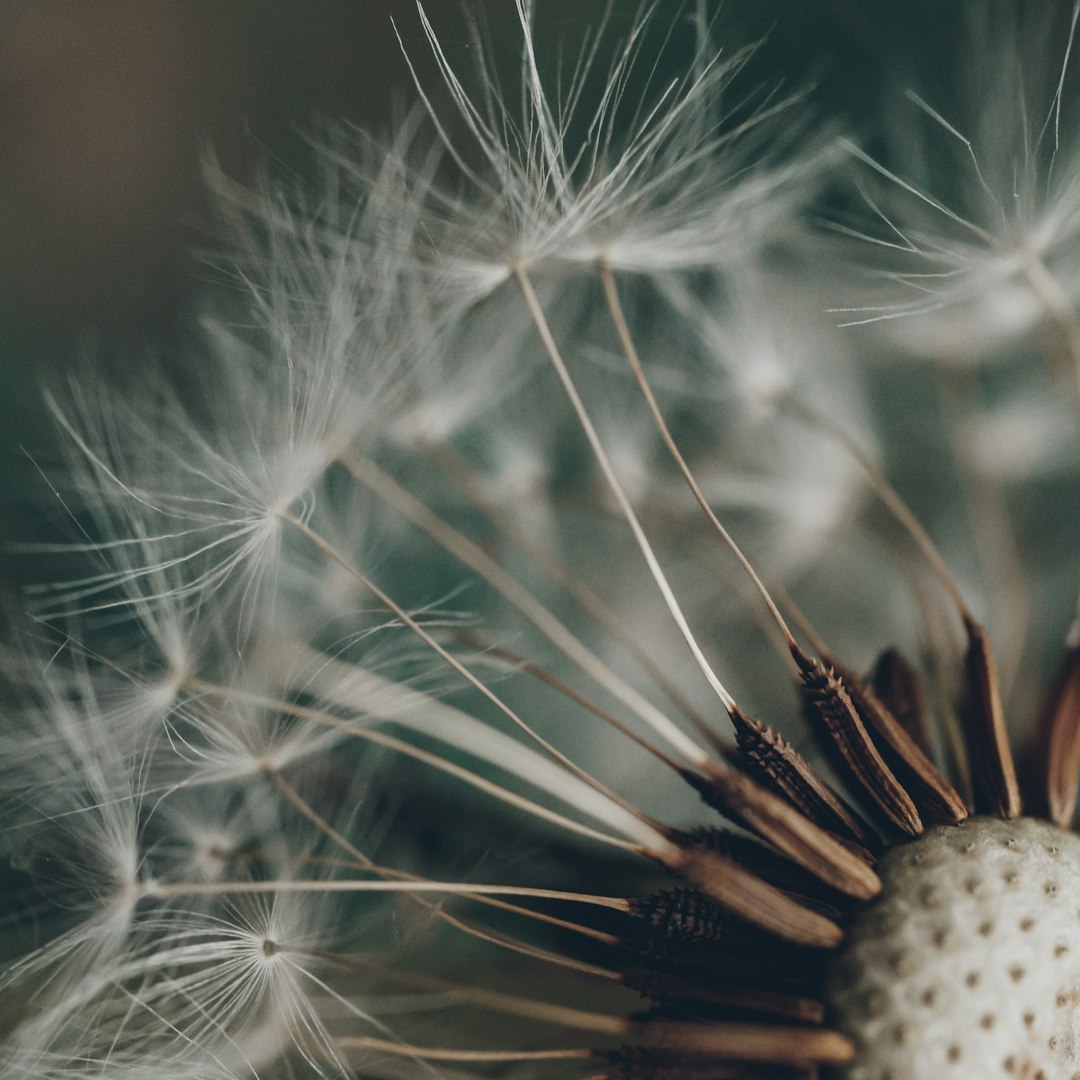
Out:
{"x": 406, "y": 722}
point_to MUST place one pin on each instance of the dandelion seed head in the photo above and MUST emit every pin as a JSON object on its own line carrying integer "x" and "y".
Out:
{"x": 518, "y": 474}
{"x": 969, "y": 961}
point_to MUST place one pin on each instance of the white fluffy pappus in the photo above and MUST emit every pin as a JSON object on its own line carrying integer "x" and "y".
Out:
{"x": 972, "y": 214}
{"x": 643, "y": 171}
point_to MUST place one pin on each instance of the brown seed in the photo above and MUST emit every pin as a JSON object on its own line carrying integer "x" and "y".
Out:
{"x": 641, "y": 1063}
{"x": 687, "y": 933}
{"x": 831, "y": 708}
{"x": 765, "y": 1043}
{"x": 752, "y": 899}
{"x": 742, "y": 799}
{"x": 1060, "y": 742}
{"x": 993, "y": 771}
{"x": 932, "y": 793}
{"x": 665, "y": 990}
{"x": 759, "y": 858}
{"x": 785, "y": 769}
{"x": 898, "y": 687}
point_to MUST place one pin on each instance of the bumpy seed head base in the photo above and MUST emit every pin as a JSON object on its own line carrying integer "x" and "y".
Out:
{"x": 968, "y": 965}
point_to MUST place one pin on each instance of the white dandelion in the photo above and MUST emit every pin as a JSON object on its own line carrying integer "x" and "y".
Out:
{"x": 401, "y": 725}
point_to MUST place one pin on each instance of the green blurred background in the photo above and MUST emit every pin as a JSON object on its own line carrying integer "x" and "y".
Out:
{"x": 108, "y": 106}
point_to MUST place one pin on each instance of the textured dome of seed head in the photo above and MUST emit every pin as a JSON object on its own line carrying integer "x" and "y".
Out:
{"x": 968, "y": 965}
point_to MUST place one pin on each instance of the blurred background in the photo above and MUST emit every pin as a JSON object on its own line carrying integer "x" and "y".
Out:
{"x": 108, "y": 108}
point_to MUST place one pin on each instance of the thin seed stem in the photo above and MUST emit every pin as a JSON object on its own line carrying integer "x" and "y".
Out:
{"x": 388, "y": 874}
{"x": 800, "y": 618}
{"x": 533, "y": 952}
{"x": 544, "y": 676}
{"x": 163, "y": 890}
{"x": 626, "y": 340}
{"x": 885, "y": 491}
{"x": 462, "y": 670}
{"x": 324, "y": 826}
{"x": 529, "y": 1008}
{"x": 994, "y": 531}
{"x": 479, "y": 933}
{"x": 627, "y": 510}
{"x": 399, "y": 746}
{"x": 442, "y": 1053}
{"x": 473, "y": 556}
{"x": 461, "y": 474}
